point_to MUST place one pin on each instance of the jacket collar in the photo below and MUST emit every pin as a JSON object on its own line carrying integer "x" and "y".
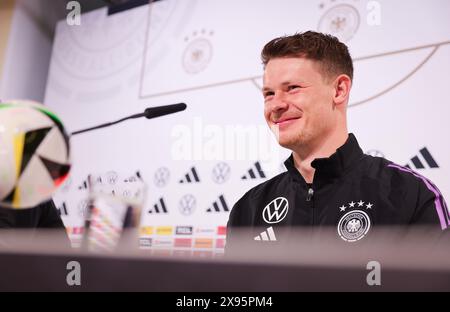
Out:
{"x": 331, "y": 167}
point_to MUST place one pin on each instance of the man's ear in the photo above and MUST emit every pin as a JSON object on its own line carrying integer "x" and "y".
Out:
{"x": 342, "y": 85}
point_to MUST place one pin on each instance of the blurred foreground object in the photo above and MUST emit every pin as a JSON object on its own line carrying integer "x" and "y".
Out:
{"x": 34, "y": 154}
{"x": 115, "y": 203}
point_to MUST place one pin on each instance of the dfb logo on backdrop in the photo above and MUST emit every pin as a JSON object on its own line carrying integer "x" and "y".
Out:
{"x": 343, "y": 20}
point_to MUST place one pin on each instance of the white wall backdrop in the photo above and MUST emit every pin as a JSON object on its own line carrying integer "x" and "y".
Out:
{"x": 27, "y": 54}
{"x": 206, "y": 53}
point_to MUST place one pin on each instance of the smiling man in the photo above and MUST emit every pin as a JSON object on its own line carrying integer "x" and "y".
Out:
{"x": 329, "y": 180}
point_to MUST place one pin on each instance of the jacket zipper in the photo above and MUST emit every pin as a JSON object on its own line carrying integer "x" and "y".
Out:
{"x": 309, "y": 198}
{"x": 310, "y": 194}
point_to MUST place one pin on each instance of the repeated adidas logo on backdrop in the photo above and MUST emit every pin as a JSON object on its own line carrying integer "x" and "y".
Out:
{"x": 219, "y": 206}
{"x": 159, "y": 207}
{"x": 62, "y": 210}
{"x": 190, "y": 177}
{"x": 187, "y": 205}
{"x": 255, "y": 172}
{"x": 423, "y": 158}
{"x": 220, "y": 173}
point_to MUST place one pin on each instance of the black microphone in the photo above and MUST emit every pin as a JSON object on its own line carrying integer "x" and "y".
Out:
{"x": 149, "y": 113}
{"x": 153, "y": 112}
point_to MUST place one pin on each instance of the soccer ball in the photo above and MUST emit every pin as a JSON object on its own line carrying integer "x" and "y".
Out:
{"x": 34, "y": 154}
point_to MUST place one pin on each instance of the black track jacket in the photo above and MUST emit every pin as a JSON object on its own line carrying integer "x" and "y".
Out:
{"x": 44, "y": 215}
{"x": 351, "y": 191}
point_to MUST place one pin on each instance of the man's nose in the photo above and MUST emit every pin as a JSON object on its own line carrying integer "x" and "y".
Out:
{"x": 279, "y": 103}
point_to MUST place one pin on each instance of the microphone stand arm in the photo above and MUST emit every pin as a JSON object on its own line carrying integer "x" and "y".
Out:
{"x": 108, "y": 124}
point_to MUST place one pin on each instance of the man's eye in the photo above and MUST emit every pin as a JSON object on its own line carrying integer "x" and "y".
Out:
{"x": 293, "y": 87}
{"x": 267, "y": 94}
